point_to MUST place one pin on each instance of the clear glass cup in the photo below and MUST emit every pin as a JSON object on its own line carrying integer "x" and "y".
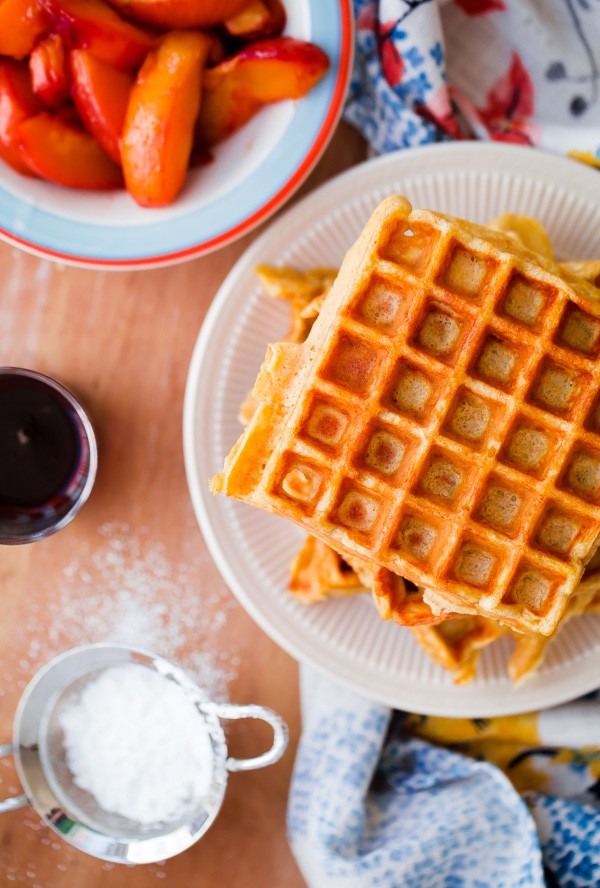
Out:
{"x": 48, "y": 456}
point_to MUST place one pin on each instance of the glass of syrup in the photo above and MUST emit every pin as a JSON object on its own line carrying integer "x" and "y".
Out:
{"x": 48, "y": 456}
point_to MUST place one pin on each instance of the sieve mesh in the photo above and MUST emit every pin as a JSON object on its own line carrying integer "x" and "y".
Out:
{"x": 80, "y": 804}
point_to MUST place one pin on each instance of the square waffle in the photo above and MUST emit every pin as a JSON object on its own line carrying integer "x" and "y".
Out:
{"x": 395, "y": 598}
{"x": 441, "y": 420}
{"x": 456, "y": 643}
{"x": 530, "y": 649}
{"x": 317, "y": 573}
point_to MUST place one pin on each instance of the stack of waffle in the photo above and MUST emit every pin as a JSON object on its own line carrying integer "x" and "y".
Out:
{"x": 433, "y": 422}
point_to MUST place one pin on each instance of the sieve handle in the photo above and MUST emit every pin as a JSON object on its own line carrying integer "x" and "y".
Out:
{"x": 15, "y": 802}
{"x": 280, "y": 733}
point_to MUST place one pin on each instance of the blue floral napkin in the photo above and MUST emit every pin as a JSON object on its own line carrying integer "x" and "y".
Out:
{"x": 524, "y": 71}
{"x": 383, "y": 799}
{"x": 374, "y": 805}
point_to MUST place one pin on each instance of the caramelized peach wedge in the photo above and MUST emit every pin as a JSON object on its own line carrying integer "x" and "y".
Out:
{"x": 97, "y": 95}
{"x": 65, "y": 154}
{"x": 159, "y": 123}
{"x": 17, "y": 103}
{"x": 262, "y": 73}
{"x": 93, "y": 25}
{"x": 48, "y": 68}
{"x": 101, "y": 95}
{"x": 21, "y": 23}
{"x": 258, "y": 20}
{"x": 179, "y": 13}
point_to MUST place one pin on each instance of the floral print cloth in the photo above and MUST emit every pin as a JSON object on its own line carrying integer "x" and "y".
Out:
{"x": 525, "y": 71}
{"x": 383, "y": 799}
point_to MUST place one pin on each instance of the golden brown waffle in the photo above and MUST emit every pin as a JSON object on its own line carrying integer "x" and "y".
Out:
{"x": 318, "y": 572}
{"x": 530, "y": 649}
{"x": 304, "y": 291}
{"x": 591, "y": 582}
{"x": 403, "y": 602}
{"x": 300, "y": 289}
{"x": 395, "y": 598}
{"x": 526, "y": 231}
{"x": 441, "y": 418}
{"x": 456, "y": 644}
{"x": 588, "y": 270}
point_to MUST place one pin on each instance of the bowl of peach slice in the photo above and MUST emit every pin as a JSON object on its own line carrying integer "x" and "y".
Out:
{"x": 137, "y": 133}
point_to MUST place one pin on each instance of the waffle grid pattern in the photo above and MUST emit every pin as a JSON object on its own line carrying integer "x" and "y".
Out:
{"x": 471, "y": 374}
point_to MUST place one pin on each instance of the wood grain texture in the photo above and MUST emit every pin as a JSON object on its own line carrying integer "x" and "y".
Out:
{"x": 123, "y": 342}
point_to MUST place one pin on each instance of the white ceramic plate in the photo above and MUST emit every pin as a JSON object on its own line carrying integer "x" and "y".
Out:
{"x": 252, "y": 549}
{"x": 253, "y": 173}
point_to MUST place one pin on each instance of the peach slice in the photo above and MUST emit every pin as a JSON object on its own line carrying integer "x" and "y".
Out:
{"x": 93, "y": 25}
{"x": 101, "y": 93}
{"x": 159, "y": 125}
{"x": 65, "y": 154}
{"x": 262, "y": 73}
{"x": 179, "y": 13}
{"x": 21, "y": 23}
{"x": 258, "y": 20}
{"x": 48, "y": 67}
{"x": 17, "y": 103}
{"x": 69, "y": 113}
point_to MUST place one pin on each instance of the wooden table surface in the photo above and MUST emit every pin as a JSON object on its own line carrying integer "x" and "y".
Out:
{"x": 123, "y": 342}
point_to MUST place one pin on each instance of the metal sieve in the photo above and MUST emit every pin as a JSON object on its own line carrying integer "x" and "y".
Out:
{"x": 73, "y": 813}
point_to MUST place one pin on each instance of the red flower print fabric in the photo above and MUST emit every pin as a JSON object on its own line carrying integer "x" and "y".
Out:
{"x": 503, "y": 70}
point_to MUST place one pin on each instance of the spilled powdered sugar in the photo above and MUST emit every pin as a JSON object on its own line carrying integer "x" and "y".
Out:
{"x": 119, "y": 588}
{"x": 128, "y": 591}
